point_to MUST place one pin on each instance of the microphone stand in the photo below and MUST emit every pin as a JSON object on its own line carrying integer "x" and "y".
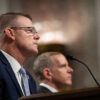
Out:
{"x": 72, "y": 58}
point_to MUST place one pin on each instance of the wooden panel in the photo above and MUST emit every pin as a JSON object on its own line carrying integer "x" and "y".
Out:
{"x": 80, "y": 94}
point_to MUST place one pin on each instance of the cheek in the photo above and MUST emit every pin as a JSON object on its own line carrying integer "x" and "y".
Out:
{"x": 59, "y": 75}
{"x": 23, "y": 39}
{"x": 62, "y": 75}
{"x": 21, "y": 42}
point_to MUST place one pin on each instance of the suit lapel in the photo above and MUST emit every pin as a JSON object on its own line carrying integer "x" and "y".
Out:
{"x": 11, "y": 73}
{"x": 32, "y": 84}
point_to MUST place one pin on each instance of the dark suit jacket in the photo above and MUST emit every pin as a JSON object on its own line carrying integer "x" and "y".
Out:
{"x": 9, "y": 86}
{"x": 42, "y": 89}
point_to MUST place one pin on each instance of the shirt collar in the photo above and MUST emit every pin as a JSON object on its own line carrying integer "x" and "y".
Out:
{"x": 13, "y": 62}
{"x": 49, "y": 87}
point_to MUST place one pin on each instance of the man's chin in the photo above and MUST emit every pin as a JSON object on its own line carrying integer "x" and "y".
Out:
{"x": 69, "y": 83}
{"x": 33, "y": 52}
{"x": 36, "y": 52}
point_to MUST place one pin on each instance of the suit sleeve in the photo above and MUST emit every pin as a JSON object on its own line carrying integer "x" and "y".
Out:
{"x": 1, "y": 88}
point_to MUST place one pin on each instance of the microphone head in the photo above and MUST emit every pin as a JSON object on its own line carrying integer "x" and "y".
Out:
{"x": 70, "y": 57}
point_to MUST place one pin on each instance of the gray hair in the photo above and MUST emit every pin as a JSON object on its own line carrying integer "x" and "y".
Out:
{"x": 9, "y": 19}
{"x": 43, "y": 61}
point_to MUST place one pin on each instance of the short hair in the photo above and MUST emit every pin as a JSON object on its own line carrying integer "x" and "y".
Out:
{"x": 43, "y": 61}
{"x": 9, "y": 19}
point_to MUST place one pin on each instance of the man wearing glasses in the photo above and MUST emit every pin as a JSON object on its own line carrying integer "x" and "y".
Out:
{"x": 18, "y": 42}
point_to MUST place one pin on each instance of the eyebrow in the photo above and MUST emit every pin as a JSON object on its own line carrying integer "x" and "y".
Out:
{"x": 63, "y": 65}
{"x": 16, "y": 27}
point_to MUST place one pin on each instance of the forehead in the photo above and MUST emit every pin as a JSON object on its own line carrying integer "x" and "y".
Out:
{"x": 60, "y": 59}
{"x": 24, "y": 21}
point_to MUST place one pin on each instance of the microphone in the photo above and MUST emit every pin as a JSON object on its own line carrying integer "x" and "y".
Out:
{"x": 73, "y": 58}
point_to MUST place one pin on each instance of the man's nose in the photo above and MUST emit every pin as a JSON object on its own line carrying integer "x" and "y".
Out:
{"x": 70, "y": 69}
{"x": 37, "y": 36}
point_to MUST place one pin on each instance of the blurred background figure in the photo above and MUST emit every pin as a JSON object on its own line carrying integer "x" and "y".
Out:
{"x": 53, "y": 71}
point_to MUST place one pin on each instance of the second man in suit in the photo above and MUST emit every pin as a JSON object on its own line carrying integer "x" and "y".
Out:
{"x": 53, "y": 71}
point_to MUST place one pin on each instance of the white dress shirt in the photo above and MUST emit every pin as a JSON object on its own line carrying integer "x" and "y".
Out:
{"x": 15, "y": 67}
{"x": 49, "y": 87}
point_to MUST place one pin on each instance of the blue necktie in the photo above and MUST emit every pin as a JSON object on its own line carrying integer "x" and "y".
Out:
{"x": 25, "y": 83}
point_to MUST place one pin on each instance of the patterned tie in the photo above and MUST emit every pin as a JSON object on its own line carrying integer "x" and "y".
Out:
{"x": 25, "y": 83}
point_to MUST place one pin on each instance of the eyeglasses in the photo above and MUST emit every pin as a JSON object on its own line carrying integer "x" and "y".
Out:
{"x": 30, "y": 30}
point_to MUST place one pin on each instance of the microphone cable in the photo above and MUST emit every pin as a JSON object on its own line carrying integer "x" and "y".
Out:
{"x": 73, "y": 58}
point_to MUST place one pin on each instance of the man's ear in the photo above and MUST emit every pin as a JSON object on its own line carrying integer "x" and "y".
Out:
{"x": 47, "y": 73}
{"x": 9, "y": 33}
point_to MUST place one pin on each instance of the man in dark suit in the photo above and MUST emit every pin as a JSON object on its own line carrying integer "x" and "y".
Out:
{"x": 53, "y": 71}
{"x": 18, "y": 42}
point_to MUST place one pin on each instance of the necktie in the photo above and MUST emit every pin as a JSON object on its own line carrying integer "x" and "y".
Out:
{"x": 25, "y": 83}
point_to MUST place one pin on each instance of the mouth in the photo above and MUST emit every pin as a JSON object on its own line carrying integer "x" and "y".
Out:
{"x": 36, "y": 44}
{"x": 70, "y": 77}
